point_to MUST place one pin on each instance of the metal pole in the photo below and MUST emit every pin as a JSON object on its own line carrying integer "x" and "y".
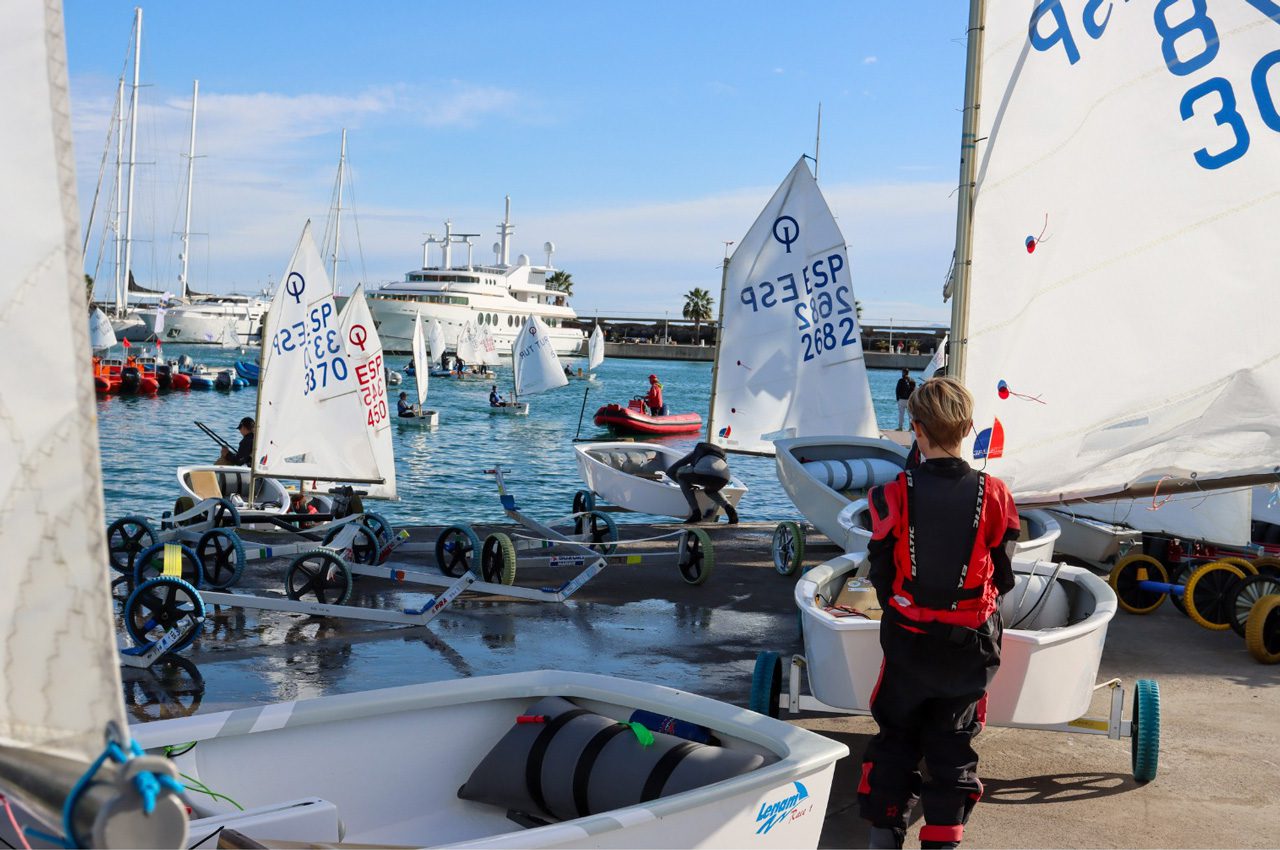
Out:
{"x": 337, "y": 225}
{"x": 582, "y": 412}
{"x": 964, "y": 216}
{"x": 119, "y": 196}
{"x": 817, "y": 145}
{"x": 715, "y": 364}
{"x": 191, "y": 168}
{"x": 133, "y": 154}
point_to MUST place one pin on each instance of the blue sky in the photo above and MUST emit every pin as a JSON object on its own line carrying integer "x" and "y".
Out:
{"x": 638, "y": 137}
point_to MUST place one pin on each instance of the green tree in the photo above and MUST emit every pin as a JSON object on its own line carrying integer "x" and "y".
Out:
{"x": 697, "y": 306}
{"x": 857, "y": 306}
{"x": 88, "y": 289}
{"x": 561, "y": 281}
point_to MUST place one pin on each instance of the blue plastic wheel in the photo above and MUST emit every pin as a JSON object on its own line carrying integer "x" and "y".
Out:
{"x": 766, "y": 684}
{"x": 150, "y": 564}
{"x": 601, "y": 531}
{"x": 366, "y": 547}
{"x": 160, "y": 604}
{"x": 583, "y": 501}
{"x": 458, "y": 550}
{"x": 1145, "y": 732}
{"x": 126, "y": 538}
{"x": 221, "y": 557}
{"x": 380, "y": 526}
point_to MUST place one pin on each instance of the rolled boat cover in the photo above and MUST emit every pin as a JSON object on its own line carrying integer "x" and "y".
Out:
{"x": 853, "y": 474}
{"x": 577, "y": 763}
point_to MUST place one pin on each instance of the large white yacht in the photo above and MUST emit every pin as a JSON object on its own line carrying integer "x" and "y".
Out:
{"x": 227, "y": 320}
{"x": 497, "y": 296}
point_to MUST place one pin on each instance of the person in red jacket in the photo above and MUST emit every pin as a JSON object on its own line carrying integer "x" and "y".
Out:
{"x": 654, "y": 397}
{"x": 942, "y": 538}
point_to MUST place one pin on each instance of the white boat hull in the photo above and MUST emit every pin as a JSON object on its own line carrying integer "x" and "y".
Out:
{"x": 273, "y": 497}
{"x": 520, "y": 408}
{"x": 425, "y": 419}
{"x": 1097, "y": 543}
{"x": 209, "y": 325}
{"x": 1046, "y": 676}
{"x": 395, "y": 325}
{"x": 660, "y": 497}
{"x": 408, "y": 750}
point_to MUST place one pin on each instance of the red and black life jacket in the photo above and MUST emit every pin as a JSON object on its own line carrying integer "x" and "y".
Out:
{"x": 944, "y": 573}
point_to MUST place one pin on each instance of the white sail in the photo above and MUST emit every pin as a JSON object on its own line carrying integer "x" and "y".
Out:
{"x": 101, "y": 334}
{"x": 61, "y": 682}
{"x": 421, "y": 363}
{"x": 789, "y": 361}
{"x": 534, "y": 360}
{"x": 487, "y": 347}
{"x": 595, "y": 348}
{"x": 1120, "y": 327}
{"x": 364, "y": 352}
{"x": 467, "y": 350}
{"x": 310, "y": 423}
{"x": 938, "y": 360}
{"x": 435, "y": 338}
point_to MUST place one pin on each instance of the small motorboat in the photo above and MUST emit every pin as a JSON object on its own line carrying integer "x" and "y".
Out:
{"x": 202, "y": 377}
{"x": 106, "y": 374}
{"x": 135, "y": 381}
{"x": 226, "y": 381}
{"x": 634, "y": 476}
{"x": 633, "y": 419}
{"x": 248, "y": 371}
{"x": 394, "y": 378}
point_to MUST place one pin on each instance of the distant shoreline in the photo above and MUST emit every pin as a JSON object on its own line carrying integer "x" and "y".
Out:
{"x": 707, "y": 353}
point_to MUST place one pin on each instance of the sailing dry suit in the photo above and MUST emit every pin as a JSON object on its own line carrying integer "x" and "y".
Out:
{"x": 939, "y": 564}
{"x": 706, "y": 467}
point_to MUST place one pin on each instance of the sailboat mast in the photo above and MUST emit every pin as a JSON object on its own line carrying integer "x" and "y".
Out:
{"x": 191, "y": 168}
{"x": 817, "y": 145}
{"x": 337, "y": 220}
{"x": 119, "y": 242}
{"x": 964, "y": 216}
{"x": 133, "y": 167}
{"x": 715, "y": 363}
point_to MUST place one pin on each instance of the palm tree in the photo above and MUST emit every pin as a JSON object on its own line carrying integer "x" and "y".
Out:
{"x": 697, "y": 306}
{"x": 561, "y": 281}
{"x": 857, "y": 306}
{"x": 88, "y": 289}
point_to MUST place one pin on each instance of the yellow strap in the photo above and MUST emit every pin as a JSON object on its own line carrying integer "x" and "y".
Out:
{"x": 173, "y": 560}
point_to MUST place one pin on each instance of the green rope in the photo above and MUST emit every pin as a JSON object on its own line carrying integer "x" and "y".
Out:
{"x": 196, "y": 785}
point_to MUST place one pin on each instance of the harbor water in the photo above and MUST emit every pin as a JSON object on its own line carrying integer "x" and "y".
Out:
{"x": 440, "y": 474}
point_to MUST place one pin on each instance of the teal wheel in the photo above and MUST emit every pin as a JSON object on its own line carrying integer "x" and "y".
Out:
{"x": 225, "y": 514}
{"x": 583, "y": 501}
{"x": 600, "y": 531}
{"x": 320, "y": 574}
{"x": 766, "y": 684}
{"x": 363, "y": 542}
{"x": 160, "y": 604}
{"x": 788, "y": 547}
{"x": 221, "y": 557}
{"x": 458, "y": 550}
{"x": 382, "y": 528}
{"x": 498, "y": 560}
{"x": 126, "y": 538}
{"x": 1145, "y": 731}
{"x": 150, "y": 564}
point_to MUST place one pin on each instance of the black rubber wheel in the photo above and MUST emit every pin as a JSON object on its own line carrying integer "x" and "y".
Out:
{"x": 1248, "y": 591}
{"x": 766, "y": 685}
{"x": 160, "y": 604}
{"x": 457, "y": 550}
{"x": 365, "y": 548}
{"x": 320, "y": 574}
{"x": 222, "y": 556}
{"x": 150, "y": 564}
{"x": 126, "y": 538}
{"x": 696, "y": 557}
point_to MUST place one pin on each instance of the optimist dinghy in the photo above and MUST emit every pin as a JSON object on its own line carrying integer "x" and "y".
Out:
{"x": 634, "y": 476}
{"x": 534, "y": 365}
{"x": 421, "y": 418}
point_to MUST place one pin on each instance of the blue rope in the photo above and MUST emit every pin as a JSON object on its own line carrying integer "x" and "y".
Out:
{"x": 148, "y": 785}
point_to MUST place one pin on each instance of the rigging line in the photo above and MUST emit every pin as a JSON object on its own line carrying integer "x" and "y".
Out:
{"x": 355, "y": 219}
{"x": 102, "y": 169}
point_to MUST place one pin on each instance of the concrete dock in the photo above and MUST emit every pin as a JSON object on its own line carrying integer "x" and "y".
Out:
{"x": 1219, "y": 762}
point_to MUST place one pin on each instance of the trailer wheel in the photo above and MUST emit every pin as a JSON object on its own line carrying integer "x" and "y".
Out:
{"x": 766, "y": 685}
{"x": 320, "y": 573}
{"x": 498, "y": 560}
{"x": 1244, "y": 564}
{"x": 1246, "y": 593}
{"x": 601, "y": 531}
{"x": 696, "y": 558}
{"x": 1145, "y": 731}
{"x": 1268, "y": 566}
{"x": 1124, "y": 580}
{"x": 1178, "y": 575}
{"x": 1262, "y": 633}
{"x": 365, "y": 548}
{"x": 1208, "y": 595}
{"x": 126, "y": 537}
{"x": 382, "y": 529}
{"x": 788, "y": 547}
{"x": 180, "y": 506}
{"x": 583, "y": 501}
{"x": 222, "y": 557}
{"x": 150, "y": 564}
{"x": 160, "y": 604}
{"x": 458, "y": 550}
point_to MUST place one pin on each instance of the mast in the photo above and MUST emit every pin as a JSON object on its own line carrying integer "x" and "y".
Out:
{"x": 504, "y": 235}
{"x": 119, "y": 244}
{"x": 715, "y": 363}
{"x": 337, "y": 218}
{"x": 964, "y": 216}
{"x": 817, "y": 145}
{"x": 133, "y": 166}
{"x": 191, "y": 167}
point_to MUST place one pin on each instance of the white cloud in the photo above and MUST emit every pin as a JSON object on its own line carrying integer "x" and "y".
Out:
{"x": 870, "y": 60}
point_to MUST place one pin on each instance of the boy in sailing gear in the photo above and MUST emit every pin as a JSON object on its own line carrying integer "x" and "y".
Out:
{"x": 495, "y": 400}
{"x": 654, "y": 398}
{"x": 706, "y": 467}
{"x": 902, "y": 392}
{"x": 403, "y": 407}
{"x": 942, "y": 535}
{"x": 242, "y": 456}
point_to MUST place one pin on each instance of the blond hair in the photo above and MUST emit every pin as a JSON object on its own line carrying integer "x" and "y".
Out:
{"x": 944, "y": 408}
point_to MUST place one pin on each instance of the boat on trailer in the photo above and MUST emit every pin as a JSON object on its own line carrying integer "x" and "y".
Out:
{"x": 634, "y": 476}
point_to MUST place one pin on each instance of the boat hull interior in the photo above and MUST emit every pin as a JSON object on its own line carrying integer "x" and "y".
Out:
{"x": 633, "y": 476}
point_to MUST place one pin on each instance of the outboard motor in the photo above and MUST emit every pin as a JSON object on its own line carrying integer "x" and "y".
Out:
{"x": 164, "y": 375}
{"x": 184, "y": 363}
{"x": 130, "y": 379}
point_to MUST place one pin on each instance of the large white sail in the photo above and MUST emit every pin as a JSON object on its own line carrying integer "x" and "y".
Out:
{"x": 61, "y": 681}
{"x": 435, "y": 338}
{"x": 595, "y": 348}
{"x": 937, "y": 361}
{"x": 789, "y": 361}
{"x": 534, "y": 360}
{"x": 487, "y": 347}
{"x": 1121, "y": 322}
{"x": 467, "y": 349}
{"x": 364, "y": 351}
{"x": 310, "y": 422}
{"x": 101, "y": 334}
{"x": 421, "y": 363}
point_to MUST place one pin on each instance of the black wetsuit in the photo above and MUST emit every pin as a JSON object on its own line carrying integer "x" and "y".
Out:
{"x": 706, "y": 467}
{"x": 243, "y": 456}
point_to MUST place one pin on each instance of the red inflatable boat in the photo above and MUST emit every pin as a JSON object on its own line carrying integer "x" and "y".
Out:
{"x": 632, "y": 419}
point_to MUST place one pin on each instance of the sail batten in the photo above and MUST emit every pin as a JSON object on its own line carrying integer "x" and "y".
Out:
{"x": 1118, "y": 338}
{"x": 789, "y": 361}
